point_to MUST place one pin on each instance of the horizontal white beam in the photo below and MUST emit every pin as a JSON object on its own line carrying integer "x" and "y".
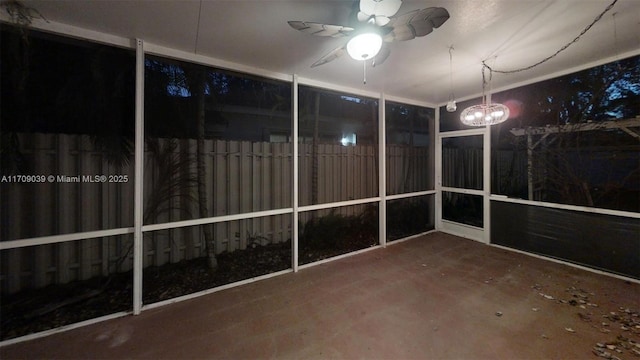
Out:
{"x": 571, "y": 128}
{"x": 12, "y": 244}
{"x": 75, "y": 32}
{"x": 463, "y": 191}
{"x": 216, "y": 219}
{"x": 338, "y": 88}
{"x": 163, "y": 51}
{"x": 412, "y": 194}
{"x": 585, "y": 209}
{"x": 459, "y": 133}
{"x": 215, "y": 289}
{"x": 409, "y": 102}
{"x": 337, "y": 204}
{"x": 338, "y": 257}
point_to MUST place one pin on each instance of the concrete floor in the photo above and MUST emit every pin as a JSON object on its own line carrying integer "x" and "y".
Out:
{"x": 433, "y": 297}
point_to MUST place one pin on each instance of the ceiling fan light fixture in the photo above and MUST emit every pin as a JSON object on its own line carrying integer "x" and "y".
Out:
{"x": 364, "y": 46}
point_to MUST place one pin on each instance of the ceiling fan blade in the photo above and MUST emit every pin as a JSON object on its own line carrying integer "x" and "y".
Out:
{"x": 362, "y": 17}
{"x": 380, "y": 7}
{"x": 416, "y": 23}
{"x": 382, "y": 56}
{"x": 318, "y": 29}
{"x": 379, "y": 20}
{"x": 332, "y": 55}
{"x": 382, "y": 20}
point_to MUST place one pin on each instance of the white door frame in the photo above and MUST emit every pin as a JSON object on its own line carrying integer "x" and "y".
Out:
{"x": 463, "y": 230}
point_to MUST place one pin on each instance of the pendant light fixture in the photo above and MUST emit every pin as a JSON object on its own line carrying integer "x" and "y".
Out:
{"x": 487, "y": 113}
{"x": 451, "y": 105}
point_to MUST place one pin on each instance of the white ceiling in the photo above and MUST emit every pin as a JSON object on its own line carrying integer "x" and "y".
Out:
{"x": 508, "y": 34}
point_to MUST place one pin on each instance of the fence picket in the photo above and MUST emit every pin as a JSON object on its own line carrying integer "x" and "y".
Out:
{"x": 240, "y": 177}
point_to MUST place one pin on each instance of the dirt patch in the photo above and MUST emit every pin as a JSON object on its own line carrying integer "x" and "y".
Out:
{"x": 620, "y": 328}
{"x": 53, "y": 306}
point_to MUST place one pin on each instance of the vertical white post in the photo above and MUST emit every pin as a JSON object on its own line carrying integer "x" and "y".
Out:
{"x": 437, "y": 148}
{"x": 294, "y": 139}
{"x": 529, "y": 166}
{"x": 431, "y": 168}
{"x": 486, "y": 181}
{"x": 382, "y": 169}
{"x": 139, "y": 166}
{"x": 65, "y": 212}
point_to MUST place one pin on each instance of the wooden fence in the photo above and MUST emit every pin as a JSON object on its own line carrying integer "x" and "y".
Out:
{"x": 240, "y": 177}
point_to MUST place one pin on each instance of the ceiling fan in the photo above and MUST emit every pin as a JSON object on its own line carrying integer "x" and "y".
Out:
{"x": 377, "y": 25}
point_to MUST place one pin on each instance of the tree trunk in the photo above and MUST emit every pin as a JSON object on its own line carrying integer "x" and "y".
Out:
{"x": 409, "y": 156}
{"x": 314, "y": 152}
{"x": 202, "y": 189}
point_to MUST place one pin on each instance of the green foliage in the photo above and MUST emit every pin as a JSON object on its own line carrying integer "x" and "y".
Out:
{"x": 174, "y": 183}
{"x": 324, "y": 232}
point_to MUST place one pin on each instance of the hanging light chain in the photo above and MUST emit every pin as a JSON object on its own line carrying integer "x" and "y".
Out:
{"x": 584, "y": 31}
{"x": 451, "y": 72}
{"x": 195, "y": 45}
{"x": 486, "y": 82}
